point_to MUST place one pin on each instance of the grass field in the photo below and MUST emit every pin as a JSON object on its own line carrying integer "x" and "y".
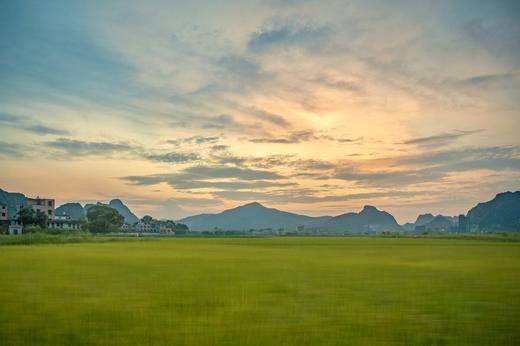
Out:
{"x": 261, "y": 291}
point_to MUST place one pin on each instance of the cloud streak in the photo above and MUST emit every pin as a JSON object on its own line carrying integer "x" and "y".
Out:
{"x": 440, "y": 139}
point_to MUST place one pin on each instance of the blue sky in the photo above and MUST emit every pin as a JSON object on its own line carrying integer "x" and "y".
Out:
{"x": 310, "y": 106}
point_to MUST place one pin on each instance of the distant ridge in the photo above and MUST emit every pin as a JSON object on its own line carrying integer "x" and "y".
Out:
{"x": 76, "y": 211}
{"x": 370, "y": 219}
{"x": 250, "y": 216}
{"x": 73, "y": 210}
{"x": 256, "y": 216}
{"x": 501, "y": 213}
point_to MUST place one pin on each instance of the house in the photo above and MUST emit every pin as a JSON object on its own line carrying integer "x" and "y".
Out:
{"x": 163, "y": 229}
{"x": 15, "y": 229}
{"x": 125, "y": 227}
{"x": 143, "y": 227}
{"x": 4, "y": 217}
{"x": 44, "y": 205}
{"x": 65, "y": 224}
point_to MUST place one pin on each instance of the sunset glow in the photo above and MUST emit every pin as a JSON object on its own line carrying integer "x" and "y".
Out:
{"x": 314, "y": 107}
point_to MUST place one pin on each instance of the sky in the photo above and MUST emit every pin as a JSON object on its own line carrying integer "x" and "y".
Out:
{"x": 315, "y": 107}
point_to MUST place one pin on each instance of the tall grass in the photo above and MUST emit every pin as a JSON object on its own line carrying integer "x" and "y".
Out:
{"x": 262, "y": 291}
{"x": 61, "y": 238}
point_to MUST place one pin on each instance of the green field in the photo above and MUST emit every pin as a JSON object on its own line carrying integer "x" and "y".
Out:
{"x": 261, "y": 291}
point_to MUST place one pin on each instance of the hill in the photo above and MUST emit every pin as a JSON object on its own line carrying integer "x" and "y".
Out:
{"x": 250, "y": 216}
{"x": 423, "y": 219}
{"x": 73, "y": 210}
{"x": 370, "y": 219}
{"x": 501, "y": 213}
{"x": 13, "y": 200}
{"x": 440, "y": 223}
{"x": 256, "y": 216}
{"x": 118, "y": 205}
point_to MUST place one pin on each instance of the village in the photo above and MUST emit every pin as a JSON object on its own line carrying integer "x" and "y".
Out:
{"x": 11, "y": 210}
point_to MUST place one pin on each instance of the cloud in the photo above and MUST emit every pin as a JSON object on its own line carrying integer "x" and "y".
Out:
{"x": 285, "y": 37}
{"x": 238, "y": 66}
{"x": 71, "y": 61}
{"x": 220, "y": 122}
{"x": 173, "y": 157}
{"x": 433, "y": 166}
{"x": 269, "y": 117}
{"x": 231, "y": 172}
{"x": 292, "y": 138}
{"x": 44, "y": 130}
{"x": 303, "y": 136}
{"x": 440, "y": 139}
{"x": 389, "y": 178}
{"x": 12, "y": 150}
{"x": 308, "y": 196}
{"x": 182, "y": 181}
{"x": 29, "y": 125}
{"x": 464, "y": 156}
{"x": 195, "y": 140}
{"x": 80, "y": 148}
{"x": 219, "y": 147}
{"x": 490, "y": 79}
{"x": 229, "y": 158}
{"x": 219, "y": 177}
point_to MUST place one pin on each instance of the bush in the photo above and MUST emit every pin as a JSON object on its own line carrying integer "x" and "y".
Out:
{"x": 103, "y": 219}
{"x": 32, "y": 229}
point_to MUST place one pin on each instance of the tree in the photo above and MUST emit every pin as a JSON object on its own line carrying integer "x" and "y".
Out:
{"x": 181, "y": 228}
{"x": 40, "y": 219}
{"x": 28, "y": 217}
{"x": 25, "y": 216}
{"x": 103, "y": 219}
{"x": 147, "y": 219}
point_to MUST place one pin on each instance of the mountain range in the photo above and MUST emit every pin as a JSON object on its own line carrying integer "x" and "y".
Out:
{"x": 75, "y": 211}
{"x": 500, "y": 213}
{"x": 256, "y": 216}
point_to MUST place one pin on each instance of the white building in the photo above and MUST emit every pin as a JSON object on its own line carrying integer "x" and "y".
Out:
{"x": 15, "y": 229}
{"x": 143, "y": 227}
{"x": 44, "y": 205}
{"x": 65, "y": 224}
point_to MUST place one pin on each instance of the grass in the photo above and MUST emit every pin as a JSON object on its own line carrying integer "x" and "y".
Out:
{"x": 61, "y": 238}
{"x": 262, "y": 291}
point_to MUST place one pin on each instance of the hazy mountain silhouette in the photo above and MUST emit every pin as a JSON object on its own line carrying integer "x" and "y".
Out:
{"x": 250, "y": 216}
{"x": 73, "y": 210}
{"x": 118, "y": 205}
{"x": 423, "y": 219}
{"x": 256, "y": 216}
{"x": 370, "y": 219}
{"x": 501, "y": 213}
{"x": 440, "y": 222}
{"x": 12, "y": 200}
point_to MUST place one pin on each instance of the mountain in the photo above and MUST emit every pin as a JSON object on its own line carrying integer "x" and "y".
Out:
{"x": 501, "y": 213}
{"x": 440, "y": 222}
{"x": 423, "y": 219}
{"x": 73, "y": 210}
{"x": 370, "y": 219}
{"x": 13, "y": 200}
{"x": 251, "y": 216}
{"x": 121, "y": 208}
{"x": 408, "y": 227}
{"x": 256, "y": 216}
{"x": 118, "y": 205}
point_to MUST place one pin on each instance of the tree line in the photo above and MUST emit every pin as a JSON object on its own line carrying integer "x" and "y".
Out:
{"x": 99, "y": 219}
